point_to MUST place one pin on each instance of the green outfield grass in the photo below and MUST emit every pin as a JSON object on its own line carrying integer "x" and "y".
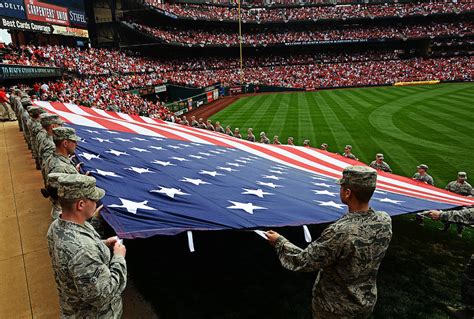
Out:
{"x": 410, "y": 125}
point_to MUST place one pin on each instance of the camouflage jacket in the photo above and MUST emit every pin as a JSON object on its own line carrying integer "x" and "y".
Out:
{"x": 424, "y": 178}
{"x": 89, "y": 281}
{"x": 58, "y": 163}
{"x": 458, "y": 188}
{"x": 463, "y": 216}
{"x": 347, "y": 255}
{"x": 383, "y": 166}
{"x": 350, "y": 155}
{"x": 45, "y": 145}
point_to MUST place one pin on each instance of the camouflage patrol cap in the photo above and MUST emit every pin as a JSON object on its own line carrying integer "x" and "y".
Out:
{"x": 64, "y": 133}
{"x": 77, "y": 186}
{"x": 423, "y": 166}
{"x": 462, "y": 175}
{"x": 348, "y": 146}
{"x": 324, "y": 145}
{"x": 35, "y": 110}
{"x": 52, "y": 179}
{"x": 358, "y": 176}
{"x": 49, "y": 119}
{"x": 379, "y": 155}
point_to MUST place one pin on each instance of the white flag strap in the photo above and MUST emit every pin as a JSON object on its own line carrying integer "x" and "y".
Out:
{"x": 190, "y": 241}
{"x": 307, "y": 234}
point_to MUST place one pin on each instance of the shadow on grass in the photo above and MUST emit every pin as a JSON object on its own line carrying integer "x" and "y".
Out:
{"x": 237, "y": 275}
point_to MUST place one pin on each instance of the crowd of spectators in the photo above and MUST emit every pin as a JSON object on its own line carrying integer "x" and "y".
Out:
{"x": 275, "y": 36}
{"x": 89, "y": 85}
{"x": 280, "y": 14}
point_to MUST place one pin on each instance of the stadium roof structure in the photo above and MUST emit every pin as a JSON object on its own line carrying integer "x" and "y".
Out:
{"x": 163, "y": 178}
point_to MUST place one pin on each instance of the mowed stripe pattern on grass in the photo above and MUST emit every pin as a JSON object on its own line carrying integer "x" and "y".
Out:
{"x": 410, "y": 125}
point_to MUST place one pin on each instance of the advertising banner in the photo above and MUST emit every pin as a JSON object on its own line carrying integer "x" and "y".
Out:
{"x": 15, "y": 24}
{"x": 69, "y": 31}
{"x": 12, "y": 9}
{"x": 45, "y": 12}
{"x": 8, "y": 72}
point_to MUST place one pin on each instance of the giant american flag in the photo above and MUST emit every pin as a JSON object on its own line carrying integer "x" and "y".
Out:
{"x": 163, "y": 178}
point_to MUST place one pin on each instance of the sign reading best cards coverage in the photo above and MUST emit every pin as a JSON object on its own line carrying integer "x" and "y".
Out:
{"x": 58, "y": 12}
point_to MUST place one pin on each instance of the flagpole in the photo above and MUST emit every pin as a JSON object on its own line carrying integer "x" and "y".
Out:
{"x": 240, "y": 43}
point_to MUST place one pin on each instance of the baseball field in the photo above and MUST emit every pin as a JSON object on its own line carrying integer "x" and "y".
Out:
{"x": 431, "y": 124}
{"x": 236, "y": 275}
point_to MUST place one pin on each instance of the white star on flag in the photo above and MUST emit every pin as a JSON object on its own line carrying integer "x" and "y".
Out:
{"x": 101, "y": 140}
{"x": 241, "y": 161}
{"x": 234, "y": 164}
{"x": 247, "y": 207}
{"x": 330, "y": 204}
{"x": 215, "y": 152}
{"x": 170, "y": 192}
{"x": 246, "y": 158}
{"x": 322, "y": 184}
{"x": 196, "y": 182}
{"x": 324, "y": 192}
{"x": 268, "y": 184}
{"x": 227, "y": 169}
{"x": 89, "y": 156}
{"x": 179, "y": 159}
{"x": 163, "y": 163}
{"x": 112, "y": 132}
{"x": 196, "y": 156}
{"x": 122, "y": 139}
{"x": 380, "y": 192}
{"x": 141, "y": 150}
{"x": 157, "y": 139}
{"x": 105, "y": 173}
{"x": 91, "y": 131}
{"x": 205, "y": 154}
{"x": 212, "y": 173}
{"x": 174, "y": 147}
{"x": 159, "y": 148}
{"x": 319, "y": 178}
{"x": 257, "y": 192}
{"x": 116, "y": 153}
{"x": 388, "y": 200}
{"x": 139, "y": 170}
{"x": 276, "y": 172}
{"x": 140, "y": 139}
{"x": 272, "y": 177}
{"x": 131, "y": 206}
{"x": 184, "y": 145}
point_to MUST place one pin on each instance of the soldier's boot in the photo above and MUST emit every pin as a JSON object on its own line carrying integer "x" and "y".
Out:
{"x": 419, "y": 220}
{"x": 462, "y": 313}
{"x": 446, "y": 226}
{"x": 38, "y": 166}
{"x": 460, "y": 228}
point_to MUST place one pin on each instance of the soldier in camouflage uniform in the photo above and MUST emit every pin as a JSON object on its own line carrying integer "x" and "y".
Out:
{"x": 306, "y": 143}
{"x": 379, "y": 164}
{"x": 290, "y": 141}
{"x": 89, "y": 280}
{"x": 348, "y": 253}
{"x": 422, "y": 176}
{"x": 31, "y": 129}
{"x": 65, "y": 140}
{"x": 250, "y": 135}
{"x": 348, "y": 153}
{"x": 464, "y": 216}
{"x": 324, "y": 147}
{"x": 460, "y": 187}
{"x": 44, "y": 138}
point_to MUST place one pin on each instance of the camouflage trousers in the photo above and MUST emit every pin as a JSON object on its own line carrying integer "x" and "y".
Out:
{"x": 6, "y": 112}
{"x": 467, "y": 284}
